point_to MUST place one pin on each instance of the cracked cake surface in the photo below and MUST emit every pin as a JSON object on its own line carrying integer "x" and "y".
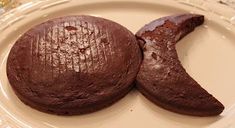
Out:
{"x": 162, "y": 79}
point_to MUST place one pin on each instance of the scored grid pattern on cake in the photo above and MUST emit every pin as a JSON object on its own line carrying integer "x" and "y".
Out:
{"x": 71, "y": 50}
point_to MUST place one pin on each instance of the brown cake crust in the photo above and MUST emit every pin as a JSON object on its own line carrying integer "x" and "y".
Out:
{"x": 73, "y": 65}
{"x": 162, "y": 79}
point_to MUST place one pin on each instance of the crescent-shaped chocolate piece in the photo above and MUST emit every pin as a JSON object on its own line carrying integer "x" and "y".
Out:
{"x": 162, "y": 79}
{"x": 73, "y": 65}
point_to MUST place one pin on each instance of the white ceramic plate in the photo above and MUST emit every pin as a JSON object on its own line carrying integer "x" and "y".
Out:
{"x": 208, "y": 54}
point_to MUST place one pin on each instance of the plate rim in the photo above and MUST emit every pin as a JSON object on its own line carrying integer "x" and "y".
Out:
{"x": 15, "y": 15}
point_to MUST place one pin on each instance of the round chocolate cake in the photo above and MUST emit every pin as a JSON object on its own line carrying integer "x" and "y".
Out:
{"x": 73, "y": 65}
